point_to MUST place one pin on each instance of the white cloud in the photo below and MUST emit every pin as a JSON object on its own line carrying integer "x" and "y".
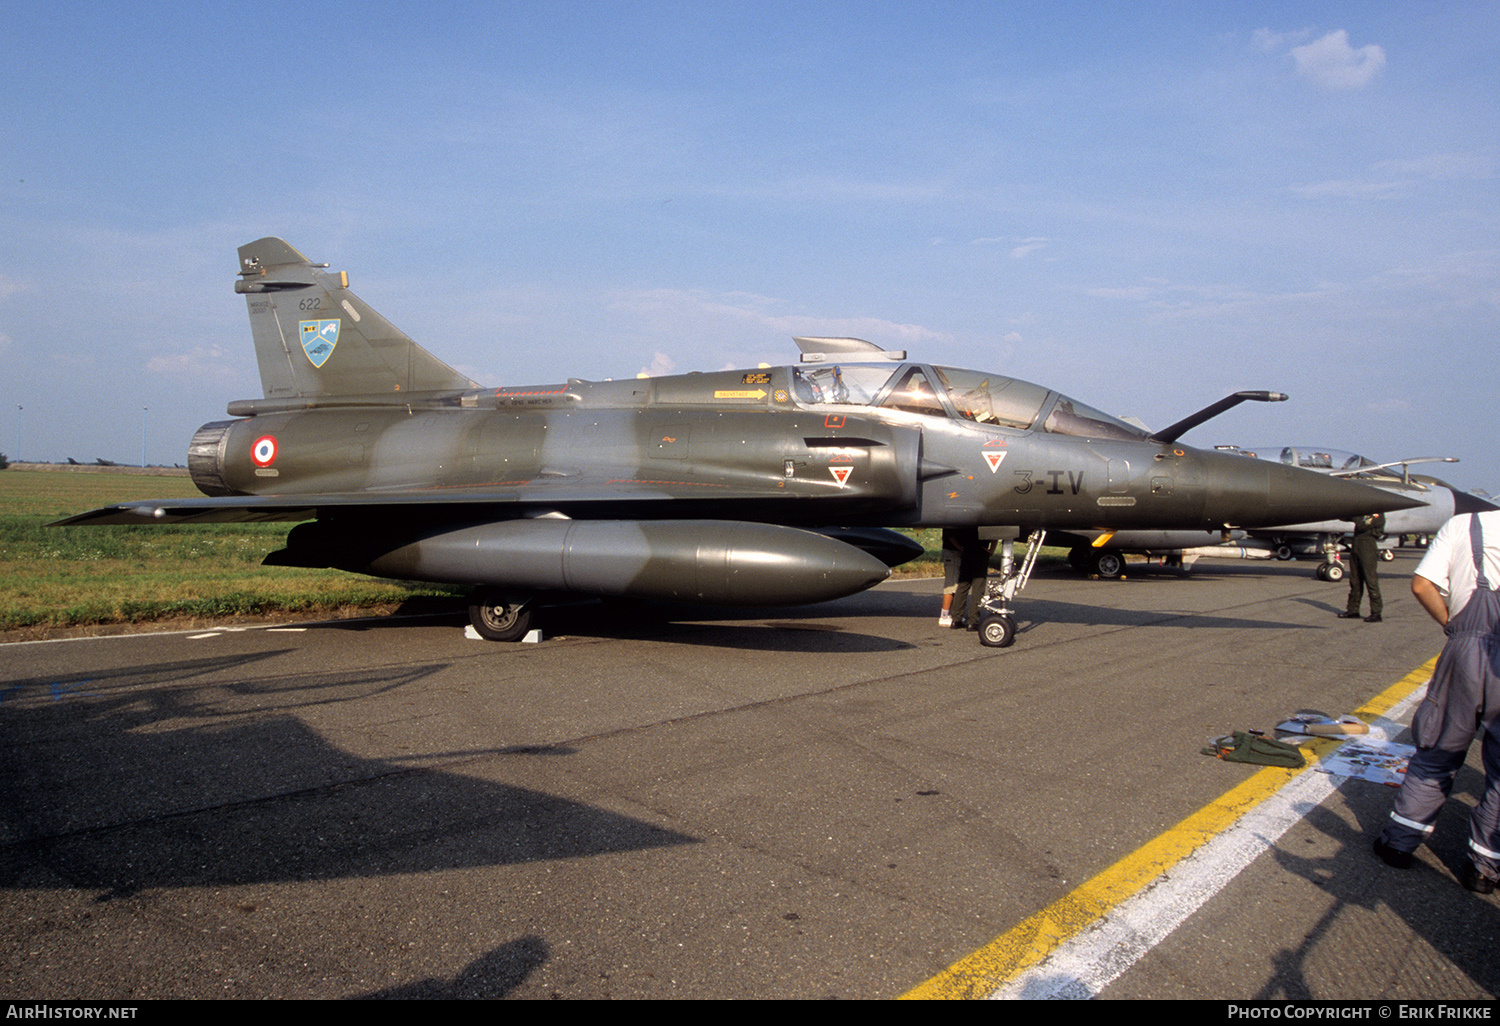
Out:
{"x": 1331, "y": 62}
{"x": 201, "y": 363}
{"x": 1477, "y": 166}
{"x": 1208, "y": 301}
{"x": 1269, "y": 42}
{"x": 688, "y": 313}
{"x": 660, "y": 364}
{"x": 1346, "y": 189}
{"x": 1019, "y": 247}
{"x": 13, "y": 286}
{"x": 1397, "y": 177}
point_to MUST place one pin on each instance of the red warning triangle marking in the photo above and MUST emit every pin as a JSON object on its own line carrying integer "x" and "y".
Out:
{"x": 841, "y": 474}
{"x": 993, "y": 459}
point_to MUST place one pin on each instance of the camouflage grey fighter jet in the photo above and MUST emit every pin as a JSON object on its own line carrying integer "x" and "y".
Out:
{"x": 750, "y": 487}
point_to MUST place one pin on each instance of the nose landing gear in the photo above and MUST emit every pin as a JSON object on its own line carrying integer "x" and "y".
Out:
{"x": 997, "y": 625}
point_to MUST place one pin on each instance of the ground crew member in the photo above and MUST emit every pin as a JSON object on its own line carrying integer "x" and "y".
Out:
{"x": 952, "y": 553}
{"x": 966, "y": 564}
{"x": 1364, "y": 559}
{"x": 973, "y": 574}
{"x": 1456, "y": 583}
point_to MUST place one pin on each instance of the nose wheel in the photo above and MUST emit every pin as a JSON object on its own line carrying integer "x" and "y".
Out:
{"x": 997, "y": 631}
{"x": 1332, "y": 568}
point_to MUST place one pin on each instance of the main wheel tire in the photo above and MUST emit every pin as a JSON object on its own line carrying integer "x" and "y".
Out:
{"x": 997, "y": 631}
{"x": 1109, "y": 565}
{"x": 495, "y": 619}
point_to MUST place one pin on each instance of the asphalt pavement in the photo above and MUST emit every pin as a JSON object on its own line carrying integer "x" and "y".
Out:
{"x": 837, "y": 801}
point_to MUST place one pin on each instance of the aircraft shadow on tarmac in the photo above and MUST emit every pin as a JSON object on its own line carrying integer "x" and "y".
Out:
{"x": 805, "y": 629}
{"x": 153, "y": 779}
{"x": 808, "y": 628}
{"x": 1460, "y": 928}
{"x": 800, "y": 629}
{"x": 1048, "y": 611}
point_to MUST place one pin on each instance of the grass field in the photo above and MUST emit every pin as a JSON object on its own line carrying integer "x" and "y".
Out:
{"x": 72, "y": 576}
{"x": 60, "y": 577}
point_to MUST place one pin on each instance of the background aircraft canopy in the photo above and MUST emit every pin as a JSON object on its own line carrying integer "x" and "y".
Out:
{"x": 1353, "y": 465}
{"x": 1324, "y": 459}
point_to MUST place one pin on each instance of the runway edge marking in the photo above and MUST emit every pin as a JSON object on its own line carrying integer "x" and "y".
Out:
{"x": 1001, "y": 967}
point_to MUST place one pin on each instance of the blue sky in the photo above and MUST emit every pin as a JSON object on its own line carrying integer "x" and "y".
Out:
{"x": 1146, "y": 206}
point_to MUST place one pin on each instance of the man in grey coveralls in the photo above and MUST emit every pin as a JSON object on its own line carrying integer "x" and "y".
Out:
{"x": 1456, "y": 583}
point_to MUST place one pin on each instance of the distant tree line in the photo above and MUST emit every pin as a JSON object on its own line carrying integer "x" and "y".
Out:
{"x": 99, "y": 461}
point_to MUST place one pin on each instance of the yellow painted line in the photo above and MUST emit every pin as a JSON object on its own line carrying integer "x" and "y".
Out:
{"x": 1032, "y": 940}
{"x": 1381, "y": 703}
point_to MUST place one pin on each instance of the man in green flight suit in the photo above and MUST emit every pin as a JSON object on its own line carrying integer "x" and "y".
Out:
{"x": 1364, "y": 557}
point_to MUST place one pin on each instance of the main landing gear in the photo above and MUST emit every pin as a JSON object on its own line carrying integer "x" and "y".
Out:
{"x": 997, "y": 624}
{"x": 1106, "y": 564}
{"x": 497, "y": 616}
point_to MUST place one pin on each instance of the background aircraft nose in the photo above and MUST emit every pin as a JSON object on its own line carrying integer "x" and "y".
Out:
{"x": 1464, "y": 502}
{"x": 1255, "y": 493}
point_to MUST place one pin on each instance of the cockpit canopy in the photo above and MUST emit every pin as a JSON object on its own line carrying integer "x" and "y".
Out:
{"x": 951, "y": 392}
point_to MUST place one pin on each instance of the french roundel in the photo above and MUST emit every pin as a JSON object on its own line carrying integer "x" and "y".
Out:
{"x": 263, "y": 452}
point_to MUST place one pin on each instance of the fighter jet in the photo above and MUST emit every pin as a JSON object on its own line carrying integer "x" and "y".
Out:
{"x": 751, "y": 487}
{"x": 1438, "y": 502}
{"x": 1434, "y": 502}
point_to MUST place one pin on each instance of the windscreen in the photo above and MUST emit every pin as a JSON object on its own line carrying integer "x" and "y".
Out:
{"x": 856, "y": 384}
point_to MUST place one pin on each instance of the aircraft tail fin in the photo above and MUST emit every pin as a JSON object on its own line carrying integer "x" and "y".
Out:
{"x": 313, "y": 337}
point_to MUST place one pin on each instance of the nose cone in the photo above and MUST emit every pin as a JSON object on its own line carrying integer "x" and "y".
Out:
{"x": 1255, "y": 493}
{"x": 1324, "y": 497}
